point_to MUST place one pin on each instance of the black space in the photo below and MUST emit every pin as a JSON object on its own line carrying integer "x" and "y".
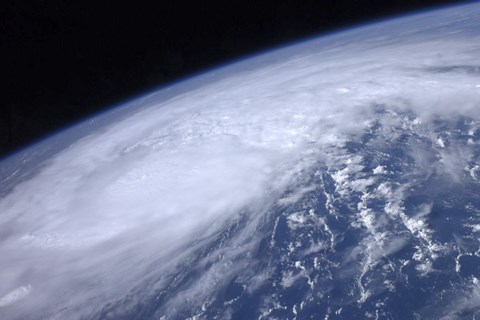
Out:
{"x": 64, "y": 60}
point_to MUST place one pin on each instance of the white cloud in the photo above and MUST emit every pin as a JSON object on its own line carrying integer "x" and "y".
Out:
{"x": 123, "y": 208}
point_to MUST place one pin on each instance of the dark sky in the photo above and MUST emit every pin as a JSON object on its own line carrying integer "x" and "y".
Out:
{"x": 62, "y": 61}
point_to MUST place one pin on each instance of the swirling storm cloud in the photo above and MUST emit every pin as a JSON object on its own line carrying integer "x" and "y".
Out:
{"x": 163, "y": 214}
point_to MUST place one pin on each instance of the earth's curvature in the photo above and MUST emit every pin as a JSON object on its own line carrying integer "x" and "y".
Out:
{"x": 337, "y": 178}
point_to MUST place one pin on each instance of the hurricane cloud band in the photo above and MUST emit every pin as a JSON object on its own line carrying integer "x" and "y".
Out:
{"x": 123, "y": 209}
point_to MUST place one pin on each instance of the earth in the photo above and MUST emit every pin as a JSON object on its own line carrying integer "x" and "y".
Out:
{"x": 335, "y": 178}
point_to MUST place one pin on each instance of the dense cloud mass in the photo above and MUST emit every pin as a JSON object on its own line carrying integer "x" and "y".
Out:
{"x": 115, "y": 220}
